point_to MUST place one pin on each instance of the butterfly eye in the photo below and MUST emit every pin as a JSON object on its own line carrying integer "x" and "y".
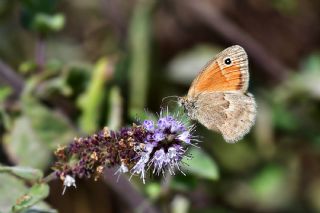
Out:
{"x": 227, "y": 61}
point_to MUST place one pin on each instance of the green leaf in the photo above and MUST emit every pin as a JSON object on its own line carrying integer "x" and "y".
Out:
{"x": 24, "y": 146}
{"x": 40, "y": 207}
{"x": 51, "y": 127}
{"x": 10, "y": 189}
{"x": 36, "y": 134}
{"x": 91, "y": 101}
{"x": 30, "y": 9}
{"x": 45, "y": 23}
{"x": 202, "y": 165}
{"x": 26, "y": 173}
{"x": 37, "y": 193}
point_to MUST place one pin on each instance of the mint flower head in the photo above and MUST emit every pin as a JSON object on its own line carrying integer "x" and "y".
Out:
{"x": 151, "y": 146}
{"x": 166, "y": 143}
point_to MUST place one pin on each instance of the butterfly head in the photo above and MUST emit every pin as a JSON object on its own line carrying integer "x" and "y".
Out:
{"x": 187, "y": 105}
{"x": 182, "y": 101}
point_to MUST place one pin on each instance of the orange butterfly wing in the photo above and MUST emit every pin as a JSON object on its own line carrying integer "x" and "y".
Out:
{"x": 219, "y": 75}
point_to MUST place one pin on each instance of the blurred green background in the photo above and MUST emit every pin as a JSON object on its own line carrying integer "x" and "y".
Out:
{"x": 70, "y": 67}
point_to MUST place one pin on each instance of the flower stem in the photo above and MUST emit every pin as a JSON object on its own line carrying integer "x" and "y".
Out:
{"x": 49, "y": 177}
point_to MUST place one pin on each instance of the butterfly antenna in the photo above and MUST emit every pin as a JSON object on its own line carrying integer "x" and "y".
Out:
{"x": 173, "y": 96}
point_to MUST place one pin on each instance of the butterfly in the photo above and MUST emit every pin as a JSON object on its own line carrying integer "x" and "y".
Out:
{"x": 218, "y": 96}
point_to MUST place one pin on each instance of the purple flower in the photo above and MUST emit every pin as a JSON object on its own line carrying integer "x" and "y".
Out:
{"x": 163, "y": 123}
{"x": 159, "y": 160}
{"x": 166, "y": 145}
{"x": 177, "y": 127}
{"x": 159, "y": 136}
{"x": 140, "y": 166}
{"x": 185, "y": 137}
{"x": 148, "y": 125}
{"x": 149, "y": 147}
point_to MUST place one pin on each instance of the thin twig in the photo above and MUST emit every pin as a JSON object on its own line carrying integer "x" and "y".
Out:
{"x": 40, "y": 52}
{"x": 50, "y": 177}
{"x": 11, "y": 78}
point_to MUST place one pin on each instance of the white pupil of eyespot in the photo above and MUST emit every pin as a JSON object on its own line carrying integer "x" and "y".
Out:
{"x": 227, "y": 61}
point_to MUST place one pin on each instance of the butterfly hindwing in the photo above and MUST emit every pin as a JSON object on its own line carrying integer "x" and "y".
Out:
{"x": 232, "y": 114}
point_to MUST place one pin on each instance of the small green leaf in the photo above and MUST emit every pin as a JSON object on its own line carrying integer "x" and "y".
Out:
{"x": 26, "y": 173}
{"x": 202, "y": 165}
{"x": 37, "y": 193}
{"x": 45, "y": 23}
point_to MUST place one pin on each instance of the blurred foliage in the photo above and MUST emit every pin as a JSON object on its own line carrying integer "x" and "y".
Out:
{"x": 140, "y": 45}
{"x": 16, "y": 196}
{"x": 87, "y": 64}
{"x": 92, "y": 98}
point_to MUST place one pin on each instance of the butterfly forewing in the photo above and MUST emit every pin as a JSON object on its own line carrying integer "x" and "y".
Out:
{"x": 228, "y": 71}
